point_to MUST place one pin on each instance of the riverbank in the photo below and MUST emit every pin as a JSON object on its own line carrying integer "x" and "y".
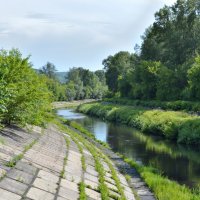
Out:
{"x": 180, "y": 105}
{"x": 163, "y": 188}
{"x": 178, "y": 126}
{"x": 69, "y": 104}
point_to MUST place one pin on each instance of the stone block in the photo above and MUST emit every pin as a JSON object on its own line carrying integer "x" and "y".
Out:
{"x": 37, "y": 194}
{"x": 13, "y": 186}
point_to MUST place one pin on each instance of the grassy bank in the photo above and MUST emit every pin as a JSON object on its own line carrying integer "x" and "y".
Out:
{"x": 178, "y": 126}
{"x": 165, "y": 105}
{"x": 70, "y": 104}
{"x": 163, "y": 188}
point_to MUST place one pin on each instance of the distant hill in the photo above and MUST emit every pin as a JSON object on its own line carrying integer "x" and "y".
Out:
{"x": 61, "y": 76}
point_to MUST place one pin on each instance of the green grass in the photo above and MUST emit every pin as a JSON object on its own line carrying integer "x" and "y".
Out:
{"x": 16, "y": 158}
{"x": 162, "y": 187}
{"x": 62, "y": 173}
{"x": 178, "y": 126}
{"x": 82, "y": 191}
{"x": 103, "y": 189}
{"x": 178, "y": 105}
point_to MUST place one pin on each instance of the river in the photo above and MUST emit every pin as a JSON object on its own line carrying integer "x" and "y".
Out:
{"x": 178, "y": 162}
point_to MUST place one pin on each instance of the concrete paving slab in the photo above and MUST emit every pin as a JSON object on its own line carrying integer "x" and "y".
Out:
{"x": 13, "y": 186}
{"x": 6, "y": 195}
{"x": 37, "y": 194}
{"x": 20, "y": 176}
{"x": 68, "y": 184}
{"x": 45, "y": 185}
{"x": 93, "y": 194}
{"x": 48, "y": 176}
{"x": 68, "y": 193}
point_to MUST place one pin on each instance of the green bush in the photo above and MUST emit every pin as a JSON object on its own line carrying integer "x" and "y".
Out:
{"x": 189, "y": 132}
{"x": 24, "y": 95}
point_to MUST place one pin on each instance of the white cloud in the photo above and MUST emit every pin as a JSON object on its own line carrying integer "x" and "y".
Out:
{"x": 74, "y": 32}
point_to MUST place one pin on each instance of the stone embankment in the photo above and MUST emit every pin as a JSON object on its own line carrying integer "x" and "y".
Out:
{"x": 52, "y": 165}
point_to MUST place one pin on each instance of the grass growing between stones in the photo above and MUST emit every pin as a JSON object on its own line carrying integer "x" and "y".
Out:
{"x": 82, "y": 187}
{"x": 103, "y": 189}
{"x": 115, "y": 178}
{"x": 101, "y": 155}
{"x": 16, "y": 158}
{"x": 80, "y": 148}
{"x": 62, "y": 173}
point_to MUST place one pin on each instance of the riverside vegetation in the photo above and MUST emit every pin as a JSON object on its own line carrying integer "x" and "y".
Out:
{"x": 178, "y": 126}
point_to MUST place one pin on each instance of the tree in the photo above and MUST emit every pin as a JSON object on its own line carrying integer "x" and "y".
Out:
{"x": 116, "y": 67}
{"x": 143, "y": 80}
{"x": 24, "y": 93}
{"x": 194, "y": 79}
{"x": 174, "y": 37}
{"x": 49, "y": 70}
{"x": 85, "y": 83}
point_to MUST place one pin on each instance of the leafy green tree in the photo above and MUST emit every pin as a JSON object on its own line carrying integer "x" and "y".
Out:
{"x": 24, "y": 93}
{"x": 194, "y": 79}
{"x": 49, "y": 70}
{"x": 116, "y": 67}
{"x": 144, "y": 80}
{"x": 85, "y": 84}
{"x": 174, "y": 37}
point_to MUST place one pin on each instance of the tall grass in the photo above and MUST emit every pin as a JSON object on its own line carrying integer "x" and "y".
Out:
{"x": 178, "y": 105}
{"x": 163, "y": 188}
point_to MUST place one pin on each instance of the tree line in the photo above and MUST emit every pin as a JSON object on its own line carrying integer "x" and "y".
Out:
{"x": 79, "y": 83}
{"x": 167, "y": 64}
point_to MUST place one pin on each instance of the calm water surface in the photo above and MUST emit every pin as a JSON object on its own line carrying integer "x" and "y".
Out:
{"x": 177, "y": 162}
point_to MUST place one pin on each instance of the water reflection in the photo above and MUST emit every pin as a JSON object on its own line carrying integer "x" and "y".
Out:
{"x": 178, "y": 162}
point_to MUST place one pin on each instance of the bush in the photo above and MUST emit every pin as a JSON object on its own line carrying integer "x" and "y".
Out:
{"x": 24, "y": 94}
{"x": 189, "y": 132}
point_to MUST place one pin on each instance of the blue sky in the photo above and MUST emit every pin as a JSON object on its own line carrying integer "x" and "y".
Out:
{"x": 74, "y": 33}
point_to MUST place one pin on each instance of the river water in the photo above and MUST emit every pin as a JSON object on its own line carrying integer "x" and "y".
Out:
{"x": 178, "y": 162}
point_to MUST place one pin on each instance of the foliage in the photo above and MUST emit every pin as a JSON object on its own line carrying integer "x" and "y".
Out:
{"x": 166, "y": 67}
{"x": 151, "y": 104}
{"x": 84, "y": 84}
{"x": 193, "y": 79}
{"x": 49, "y": 70}
{"x": 24, "y": 95}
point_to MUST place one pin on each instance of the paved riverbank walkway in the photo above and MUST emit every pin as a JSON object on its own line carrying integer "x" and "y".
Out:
{"x": 48, "y": 169}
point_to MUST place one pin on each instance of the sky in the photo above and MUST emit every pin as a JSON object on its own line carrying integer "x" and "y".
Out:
{"x": 74, "y": 33}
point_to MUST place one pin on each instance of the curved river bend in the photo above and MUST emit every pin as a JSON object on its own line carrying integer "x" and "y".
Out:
{"x": 177, "y": 162}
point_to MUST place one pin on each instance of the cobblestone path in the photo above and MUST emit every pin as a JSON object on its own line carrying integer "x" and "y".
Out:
{"x": 52, "y": 169}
